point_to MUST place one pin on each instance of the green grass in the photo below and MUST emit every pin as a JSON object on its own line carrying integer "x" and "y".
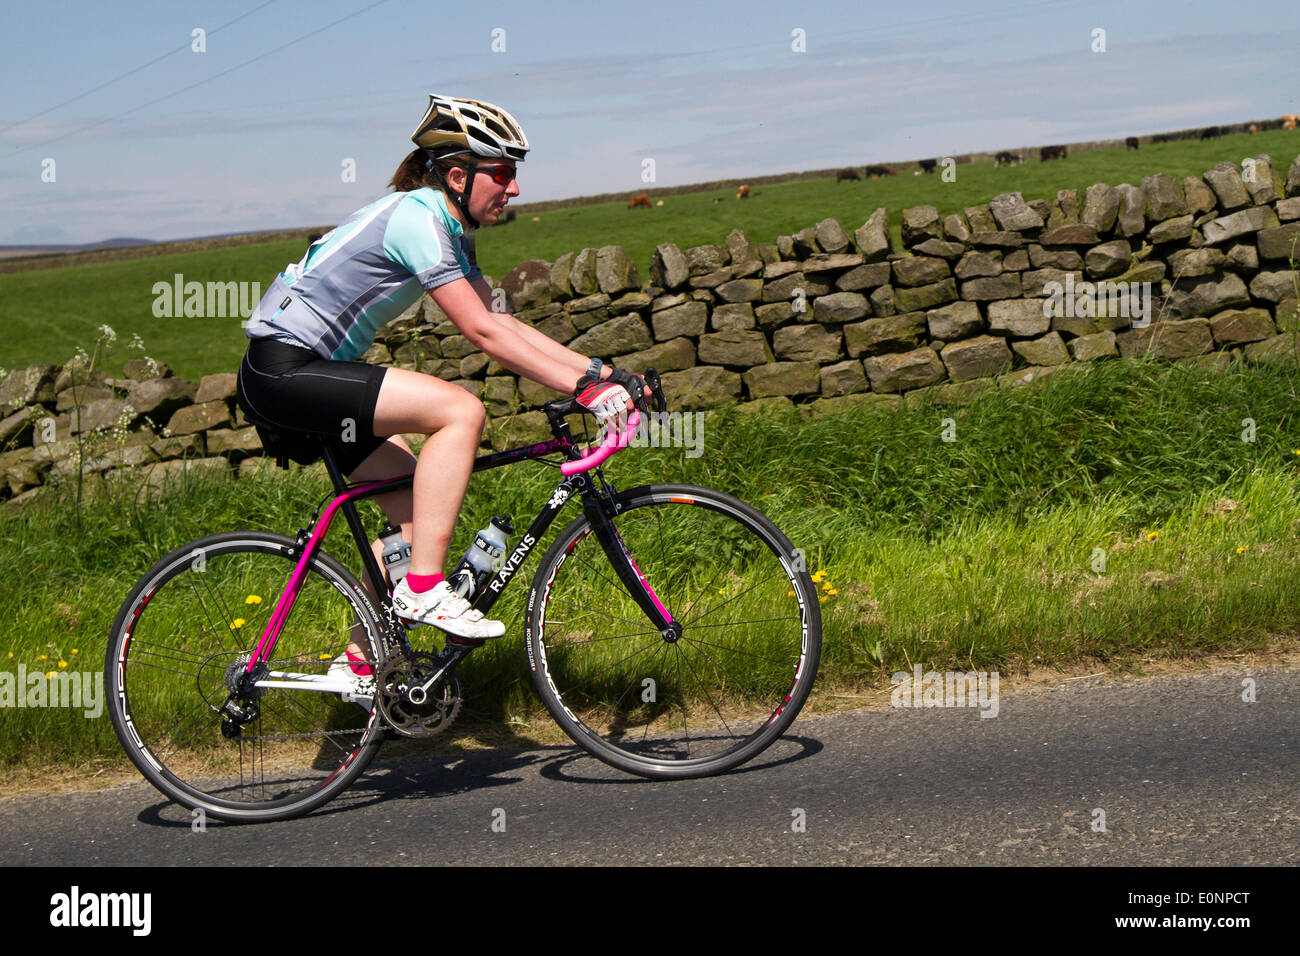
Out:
{"x": 48, "y": 313}
{"x": 976, "y": 554}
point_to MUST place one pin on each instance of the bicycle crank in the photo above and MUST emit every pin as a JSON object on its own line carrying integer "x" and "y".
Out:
{"x": 409, "y": 703}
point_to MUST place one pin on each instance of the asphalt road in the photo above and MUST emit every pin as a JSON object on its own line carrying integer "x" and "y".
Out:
{"x": 1184, "y": 771}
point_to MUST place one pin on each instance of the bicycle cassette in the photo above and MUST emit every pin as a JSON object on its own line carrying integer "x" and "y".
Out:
{"x": 407, "y": 706}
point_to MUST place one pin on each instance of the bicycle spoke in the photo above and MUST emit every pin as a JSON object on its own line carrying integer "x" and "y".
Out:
{"x": 615, "y": 617}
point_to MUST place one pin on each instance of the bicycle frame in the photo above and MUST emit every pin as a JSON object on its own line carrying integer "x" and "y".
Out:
{"x": 597, "y": 505}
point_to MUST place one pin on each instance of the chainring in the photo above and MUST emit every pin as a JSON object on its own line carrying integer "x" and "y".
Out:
{"x": 433, "y": 716}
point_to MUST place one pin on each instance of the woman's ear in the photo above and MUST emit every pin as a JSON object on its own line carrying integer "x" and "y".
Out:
{"x": 456, "y": 177}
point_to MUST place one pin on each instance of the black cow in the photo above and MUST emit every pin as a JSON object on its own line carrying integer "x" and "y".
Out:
{"x": 1051, "y": 152}
{"x": 1131, "y": 143}
{"x": 879, "y": 172}
{"x": 1005, "y": 158}
{"x": 1210, "y": 132}
{"x": 928, "y": 165}
{"x": 846, "y": 174}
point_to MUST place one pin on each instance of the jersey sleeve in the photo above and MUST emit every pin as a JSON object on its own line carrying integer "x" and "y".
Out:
{"x": 471, "y": 256}
{"x": 417, "y": 240}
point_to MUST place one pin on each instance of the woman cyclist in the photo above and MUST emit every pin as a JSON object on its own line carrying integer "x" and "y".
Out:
{"x": 321, "y": 314}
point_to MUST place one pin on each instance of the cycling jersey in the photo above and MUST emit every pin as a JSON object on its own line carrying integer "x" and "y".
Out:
{"x": 364, "y": 273}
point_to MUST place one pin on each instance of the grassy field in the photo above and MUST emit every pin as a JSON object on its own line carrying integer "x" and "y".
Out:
{"x": 1113, "y": 514}
{"x": 48, "y": 313}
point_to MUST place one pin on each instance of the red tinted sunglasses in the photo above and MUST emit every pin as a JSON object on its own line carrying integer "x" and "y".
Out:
{"x": 501, "y": 175}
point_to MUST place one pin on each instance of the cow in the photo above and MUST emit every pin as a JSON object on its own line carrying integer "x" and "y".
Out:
{"x": 659, "y": 203}
{"x": 928, "y": 165}
{"x": 1005, "y": 158}
{"x": 743, "y": 192}
{"x": 1131, "y": 143}
{"x": 846, "y": 174}
{"x": 880, "y": 172}
{"x": 1051, "y": 152}
{"x": 1290, "y": 120}
{"x": 1253, "y": 129}
{"x": 641, "y": 200}
{"x": 1210, "y": 132}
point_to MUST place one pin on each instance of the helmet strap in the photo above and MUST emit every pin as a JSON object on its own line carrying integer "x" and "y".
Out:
{"x": 462, "y": 199}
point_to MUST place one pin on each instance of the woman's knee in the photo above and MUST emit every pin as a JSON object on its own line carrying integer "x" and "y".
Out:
{"x": 410, "y": 402}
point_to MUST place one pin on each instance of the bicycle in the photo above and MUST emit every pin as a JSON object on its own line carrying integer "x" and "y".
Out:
{"x": 671, "y": 630}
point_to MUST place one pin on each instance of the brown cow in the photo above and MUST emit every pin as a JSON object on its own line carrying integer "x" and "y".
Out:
{"x": 641, "y": 200}
{"x": 743, "y": 192}
{"x": 1253, "y": 129}
{"x": 1290, "y": 120}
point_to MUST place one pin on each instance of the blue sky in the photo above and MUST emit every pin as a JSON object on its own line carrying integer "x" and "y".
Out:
{"x": 151, "y": 139}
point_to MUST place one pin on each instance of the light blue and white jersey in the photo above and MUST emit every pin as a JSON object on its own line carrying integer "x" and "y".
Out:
{"x": 364, "y": 273}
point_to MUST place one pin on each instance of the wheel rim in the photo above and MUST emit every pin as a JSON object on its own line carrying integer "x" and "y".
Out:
{"x": 716, "y": 692}
{"x": 188, "y": 625}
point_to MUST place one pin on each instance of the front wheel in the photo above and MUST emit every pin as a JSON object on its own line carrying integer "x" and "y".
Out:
{"x": 181, "y": 638}
{"x": 708, "y": 696}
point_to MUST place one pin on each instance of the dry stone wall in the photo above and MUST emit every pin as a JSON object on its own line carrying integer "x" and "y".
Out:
{"x": 824, "y": 318}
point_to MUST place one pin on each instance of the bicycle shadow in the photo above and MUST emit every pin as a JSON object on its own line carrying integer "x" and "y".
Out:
{"x": 440, "y": 775}
{"x": 790, "y": 748}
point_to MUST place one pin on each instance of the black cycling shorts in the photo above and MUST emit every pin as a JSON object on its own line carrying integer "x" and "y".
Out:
{"x": 297, "y": 392}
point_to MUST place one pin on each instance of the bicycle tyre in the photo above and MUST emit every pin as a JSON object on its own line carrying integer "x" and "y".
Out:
{"x": 171, "y": 644}
{"x": 603, "y": 706}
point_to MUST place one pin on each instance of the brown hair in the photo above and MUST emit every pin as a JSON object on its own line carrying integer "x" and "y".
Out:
{"x": 411, "y": 174}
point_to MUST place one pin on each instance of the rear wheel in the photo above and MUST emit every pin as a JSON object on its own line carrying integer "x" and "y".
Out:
{"x": 179, "y": 644}
{"x": 715, "y": 691}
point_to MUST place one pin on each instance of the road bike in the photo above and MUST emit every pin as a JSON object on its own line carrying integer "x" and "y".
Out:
{"x": 672, "y": 631}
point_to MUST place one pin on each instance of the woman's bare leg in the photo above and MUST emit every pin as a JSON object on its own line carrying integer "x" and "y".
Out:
{"x": 412, "y": 403}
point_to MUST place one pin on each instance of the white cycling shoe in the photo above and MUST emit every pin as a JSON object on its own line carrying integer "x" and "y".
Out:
{"x": 353, "y": 668}
{"x": 443, "y": 608}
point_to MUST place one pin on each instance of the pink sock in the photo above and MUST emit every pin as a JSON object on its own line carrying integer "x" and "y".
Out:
{"x": 419, "y": 583}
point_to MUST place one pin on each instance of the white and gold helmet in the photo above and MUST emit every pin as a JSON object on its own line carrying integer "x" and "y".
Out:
{"x": 454, "y": 125}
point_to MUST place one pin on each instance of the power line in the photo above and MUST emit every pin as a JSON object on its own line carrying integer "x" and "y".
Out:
{"x": 215, "y": 76}
{"x": 131, "y": 72}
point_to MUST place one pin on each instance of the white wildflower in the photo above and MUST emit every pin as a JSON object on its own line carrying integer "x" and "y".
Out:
{"x": 109, "y": 335}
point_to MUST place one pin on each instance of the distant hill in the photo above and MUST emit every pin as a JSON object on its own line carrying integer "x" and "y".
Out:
{"x": 7, "y": 251}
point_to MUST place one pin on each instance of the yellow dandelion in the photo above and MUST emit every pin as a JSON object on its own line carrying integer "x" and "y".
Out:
{"x": 789, "y": 593}
{"x": 819, "y": 576}
{"x": 253, "y": 599}
{"x": 1151, "y": 535}
{"x": 11, "y": 653}
{"x": 43, "y": 657}
{"x": 49, "y": 675}
{"x": 722, "y": 592}
{"x": 237, "y": 623}
{"x": 74, "y": 650}
{"x": 833, "y": 591}
{"x": 821, "y": 600}
{"x": 63, "y": 664}
{"x": 826, "y": 586}
{"x": 323, "y": 657}
{"x": 1241, "y": 549}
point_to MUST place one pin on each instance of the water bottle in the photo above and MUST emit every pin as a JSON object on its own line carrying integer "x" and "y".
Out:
{"x": 396, "y": 556}
{"x": 480, "y": 561}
